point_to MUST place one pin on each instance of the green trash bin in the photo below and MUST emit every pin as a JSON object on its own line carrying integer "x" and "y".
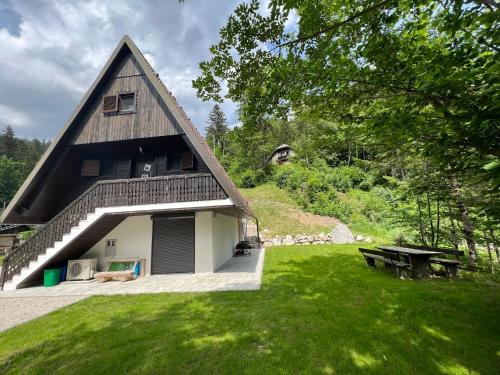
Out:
{"x": 51, "y": 277}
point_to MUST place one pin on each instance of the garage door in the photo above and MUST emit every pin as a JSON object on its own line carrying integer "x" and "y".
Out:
{"x": 173, "y": 245}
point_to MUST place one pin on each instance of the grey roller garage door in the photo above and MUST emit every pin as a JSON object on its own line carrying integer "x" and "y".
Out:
{"x": 173, "y": 245}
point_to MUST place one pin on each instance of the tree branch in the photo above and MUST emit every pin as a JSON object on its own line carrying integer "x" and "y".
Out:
{"x": 333, "y": 26}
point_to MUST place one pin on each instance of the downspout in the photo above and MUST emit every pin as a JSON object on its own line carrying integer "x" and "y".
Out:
{"x": 258, "y": 236}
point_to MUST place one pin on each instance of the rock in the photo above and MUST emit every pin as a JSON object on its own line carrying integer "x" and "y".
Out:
{"x": 341, "y": 234}
{"x": 362, "y": 238}
{"x": 323, "y": 237}
{"x": 277, "y": 241}
{"x": 288, "y": 240}
{"x": 268, "y": 244}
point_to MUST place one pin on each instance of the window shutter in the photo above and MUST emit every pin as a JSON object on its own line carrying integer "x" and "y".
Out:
{"x": 123, "y": 168}
{"x": 91, "y": 168}
{"x": 108, "y": 168}
{"x": 187, "y": 160}
{"x": 161, "y": 165}
{"x": 110, "y": 104}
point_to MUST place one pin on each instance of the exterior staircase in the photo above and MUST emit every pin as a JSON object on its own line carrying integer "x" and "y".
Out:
{"x": 98, "y": 210}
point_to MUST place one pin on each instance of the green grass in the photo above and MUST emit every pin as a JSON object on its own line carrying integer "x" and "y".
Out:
{"x": 378, "y": 232}
{"x": 320, "y": 310}
{"x": 281, "y": 215}
{"x": 1, "y": 259}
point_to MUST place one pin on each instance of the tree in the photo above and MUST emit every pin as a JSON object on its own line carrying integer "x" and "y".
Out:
{"x": 8, "y": 143}
{"x": 10, "y": 178}
{"x": 420, "y": 77}
{"x": 217, "y": 129}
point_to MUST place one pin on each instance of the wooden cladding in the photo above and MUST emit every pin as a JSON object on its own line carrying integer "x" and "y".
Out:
{"x": 91, "y": 167}
{"x": 151, "y": 116}
{"x": 157, "y": 190}
{"x": 110, "y": 104}
{"x": 187, "y": 160}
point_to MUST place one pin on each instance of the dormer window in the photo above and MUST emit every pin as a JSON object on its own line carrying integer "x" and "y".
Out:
{"x": 121, "y": 103}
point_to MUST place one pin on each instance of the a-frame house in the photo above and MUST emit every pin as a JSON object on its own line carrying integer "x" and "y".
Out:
{"x": 128, "y": 167}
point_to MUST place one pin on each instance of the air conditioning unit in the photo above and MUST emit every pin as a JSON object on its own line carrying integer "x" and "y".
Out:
{"x": 81, "y": 269}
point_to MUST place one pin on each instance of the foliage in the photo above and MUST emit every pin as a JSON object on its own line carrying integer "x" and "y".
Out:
{"x": 10, "y": 177}
{"x": 320, "y": 189}
{"x": 17, "y": 158}
{"x": 412, "y": 87}
{"x": 217, "y": 130}
{"x": 23, "y": 236}
{"x": 320, "y": 310}
{"x": 441, "y": 84}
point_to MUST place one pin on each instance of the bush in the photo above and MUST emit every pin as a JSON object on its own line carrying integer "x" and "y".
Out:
{"x": 335, "y": 191}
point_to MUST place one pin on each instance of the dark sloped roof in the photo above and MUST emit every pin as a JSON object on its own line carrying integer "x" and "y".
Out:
{"x": 192, "y": 134}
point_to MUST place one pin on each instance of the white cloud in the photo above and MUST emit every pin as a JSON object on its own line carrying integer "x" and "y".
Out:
{"x": 13, "y": 117}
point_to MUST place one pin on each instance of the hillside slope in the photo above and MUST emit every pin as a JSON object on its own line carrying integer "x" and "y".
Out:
{"x": 279, "y": 214}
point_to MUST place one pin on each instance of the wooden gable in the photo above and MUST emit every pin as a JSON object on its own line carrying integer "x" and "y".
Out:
{"x": 151, "y": 117}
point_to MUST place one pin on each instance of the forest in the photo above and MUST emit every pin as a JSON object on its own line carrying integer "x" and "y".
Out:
{"x": 392, "y": 107}
{"x": 17, "y": 158}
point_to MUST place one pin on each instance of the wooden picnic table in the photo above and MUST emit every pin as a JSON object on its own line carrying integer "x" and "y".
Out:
{"x": 419, "y": 259}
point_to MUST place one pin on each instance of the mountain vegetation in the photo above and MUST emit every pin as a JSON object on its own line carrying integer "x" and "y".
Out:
{"x": 392, "y": 107}
{"x": 17, "y": 158}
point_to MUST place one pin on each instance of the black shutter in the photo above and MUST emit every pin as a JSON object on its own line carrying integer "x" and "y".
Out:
{"x": 123, "y": 168}
{"x": 91, "y": 168}
{"x": 108, "y": 168}
{"x": 173, "y": 245}
{"x": 161, "y": 165}
{"x": 187, "y": 160}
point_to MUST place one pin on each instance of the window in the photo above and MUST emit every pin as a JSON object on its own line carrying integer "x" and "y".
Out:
{"x": 122, "y": 103}
{"x": 126, "y": 103}
{"x": 91, "y": 168}
{"x": 187, "y": 160}
{"x": 175, "y": 161}
{"x": 108, "y": 168}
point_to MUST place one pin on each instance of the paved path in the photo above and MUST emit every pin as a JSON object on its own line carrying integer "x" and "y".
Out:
{"x": 240, "y": 273}
{"x": 14, "y": 311}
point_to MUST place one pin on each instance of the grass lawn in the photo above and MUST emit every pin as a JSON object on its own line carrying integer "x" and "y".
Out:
{"x": 321, "y": 310}
{"x": 1, "y": 259}
{"x": 279, "y": 214}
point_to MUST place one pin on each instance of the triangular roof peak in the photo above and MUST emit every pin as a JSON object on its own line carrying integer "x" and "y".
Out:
{"x": 192, "y": 136}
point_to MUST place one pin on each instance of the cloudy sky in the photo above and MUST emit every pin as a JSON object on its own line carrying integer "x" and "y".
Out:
{"x": 51, "y": 51}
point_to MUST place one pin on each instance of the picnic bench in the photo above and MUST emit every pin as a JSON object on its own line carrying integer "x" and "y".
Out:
{"x": 416, "y": 259}
{"x": 389, "y": 259}
{"x": 450, "y": 266}
{"x": 419, "y": 259}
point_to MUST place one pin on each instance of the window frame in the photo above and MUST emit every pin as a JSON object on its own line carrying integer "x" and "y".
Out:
{"x": 119, "y": 111}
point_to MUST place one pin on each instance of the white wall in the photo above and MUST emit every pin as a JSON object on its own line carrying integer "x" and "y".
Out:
{"x": 215, "y": 238}
{"x": 203, "y": 243}
{"x": 134, "y": 239}
{"x": 225, "y": 236}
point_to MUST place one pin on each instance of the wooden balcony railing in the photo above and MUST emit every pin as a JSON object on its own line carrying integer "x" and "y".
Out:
{"x": 111, "y": 193}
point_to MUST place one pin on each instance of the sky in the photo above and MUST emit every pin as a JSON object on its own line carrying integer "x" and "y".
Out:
{"x": 51, "y": 51}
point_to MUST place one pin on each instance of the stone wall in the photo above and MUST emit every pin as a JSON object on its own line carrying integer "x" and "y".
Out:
{"x": 339, "y": 235}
